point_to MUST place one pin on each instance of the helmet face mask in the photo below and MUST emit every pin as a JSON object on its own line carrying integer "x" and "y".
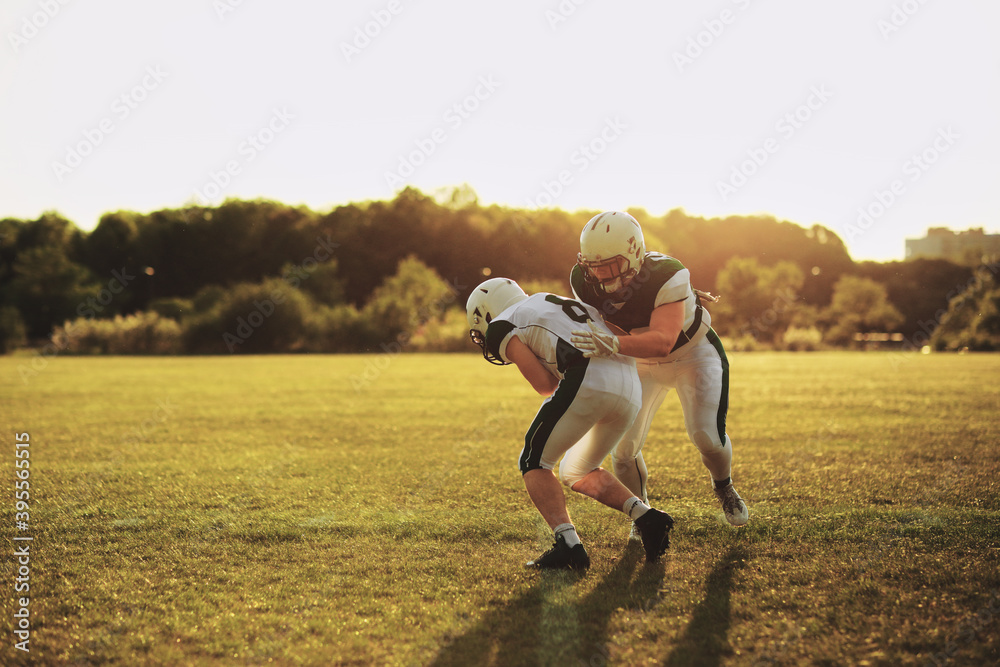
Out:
{"x": 480, "y": 339}
{"x": 488, "y": 300}
{"x": 611, "y": 251}
{"x": 609, "y": 275}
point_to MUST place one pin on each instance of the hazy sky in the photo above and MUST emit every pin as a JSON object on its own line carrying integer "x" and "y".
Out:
{"x": 809, "y": 111}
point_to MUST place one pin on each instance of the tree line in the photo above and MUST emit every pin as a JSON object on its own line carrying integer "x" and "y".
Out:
{"x": 263, "y": 276}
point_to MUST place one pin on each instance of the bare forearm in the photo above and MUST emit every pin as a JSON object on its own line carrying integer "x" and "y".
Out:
{"x": 646, "y": 344}
{"x": 546, "y": 385}
{"x": 664, "y": 327}
{"x": 540, "y": 379}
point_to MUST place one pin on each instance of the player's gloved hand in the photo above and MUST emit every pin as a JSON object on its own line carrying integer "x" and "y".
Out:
{"x": 594, "y": 343}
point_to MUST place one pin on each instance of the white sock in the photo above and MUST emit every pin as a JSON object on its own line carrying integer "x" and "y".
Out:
{"x": 568, "y": 531}
{"x": 635, "y": 508}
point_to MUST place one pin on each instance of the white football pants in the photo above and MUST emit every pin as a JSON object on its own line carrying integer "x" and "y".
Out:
{"x": 701, "y": 377}
{"x": 594, "y": 405}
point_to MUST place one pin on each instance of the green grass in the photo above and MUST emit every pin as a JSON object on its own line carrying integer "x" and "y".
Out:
{"x": 276, "y": 510}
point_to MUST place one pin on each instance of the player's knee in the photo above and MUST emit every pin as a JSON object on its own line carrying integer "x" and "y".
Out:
{"x": 622, "y": 464}
{"x": 707, "y": 442}
{"x": 624, "y": 454}
{"x": 527, "y": 466}
{"x": 570, "y": 475}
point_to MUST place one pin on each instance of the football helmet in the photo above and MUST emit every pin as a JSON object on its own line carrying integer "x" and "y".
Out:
{"x": 611, "y": 250}
{"x": 488, "y": 300}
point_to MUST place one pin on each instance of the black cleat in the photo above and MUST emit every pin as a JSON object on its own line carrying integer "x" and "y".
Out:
{"x": 562, "y": 557}
{"x": 654, "y": 528}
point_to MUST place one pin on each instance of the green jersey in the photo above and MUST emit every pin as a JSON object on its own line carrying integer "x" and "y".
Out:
{"x": 661, "y": 280}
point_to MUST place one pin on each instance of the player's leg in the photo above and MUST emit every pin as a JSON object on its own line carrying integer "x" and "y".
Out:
{"x": 579, "y": 470}
{"x": 563, "y": 420}
{"x": 703, "y": 393}
{"x": 580, "y": 467}
{"x": 703, "y": 388}
{"x": 653, "y": 526}
{"x": 626, "y": 459}
{"x": 547, "y": 496}
{"x": 603, "y": 487}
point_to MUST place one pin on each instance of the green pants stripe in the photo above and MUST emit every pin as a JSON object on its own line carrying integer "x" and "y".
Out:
{"x": 548, "y": 416}
{"x": 713, "y": 338}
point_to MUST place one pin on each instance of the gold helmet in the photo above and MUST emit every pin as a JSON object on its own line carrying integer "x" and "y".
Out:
{"x": 611, "y": 250}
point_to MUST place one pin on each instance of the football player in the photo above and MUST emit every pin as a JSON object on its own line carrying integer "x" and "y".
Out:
{"x": 590, "y": 404}
{"x": 648, "y": 296}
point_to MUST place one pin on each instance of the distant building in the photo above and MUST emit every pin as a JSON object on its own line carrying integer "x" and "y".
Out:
{"x": 970, "y": 247}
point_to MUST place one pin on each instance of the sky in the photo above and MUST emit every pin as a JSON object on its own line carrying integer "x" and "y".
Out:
{"x": 874, "y": 118}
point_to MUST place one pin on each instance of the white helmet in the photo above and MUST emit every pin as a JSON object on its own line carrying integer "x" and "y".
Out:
{"x": 612, "y": 240}
{"x": 488, "y": 300}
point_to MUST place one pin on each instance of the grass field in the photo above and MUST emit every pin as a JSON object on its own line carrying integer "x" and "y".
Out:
{"x": 368, "y": 510}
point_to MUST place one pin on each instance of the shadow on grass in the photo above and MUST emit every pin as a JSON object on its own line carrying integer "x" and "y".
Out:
{"x": 551, "y": 624}
{"x": 705, "y": 640}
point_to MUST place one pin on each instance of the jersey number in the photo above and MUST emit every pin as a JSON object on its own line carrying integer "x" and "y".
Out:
{"x": 573, "y": 309}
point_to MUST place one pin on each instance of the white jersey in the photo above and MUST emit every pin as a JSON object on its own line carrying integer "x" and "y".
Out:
{"x": 545, "y": 322}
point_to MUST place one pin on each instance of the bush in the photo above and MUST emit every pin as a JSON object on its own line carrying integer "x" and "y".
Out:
{"x": 141, "y": 333}
{"x": 252, "y": 318}
{"x": 338, "y": 329}
{"x": 208, "y": 297}
{"x": 405, "y": 302}
{"x": 742, "y": 344}
{"x": 449, "y": 334}
{"x": 973, "y": 317}
{"x": 859, "y": 305}
{"x": 12, "y": 329}
{"x": 83, "y": 336}
{"x": 322, "y": 283}
{"x": 174, "y": 308}
{"x": 801, "y": 339}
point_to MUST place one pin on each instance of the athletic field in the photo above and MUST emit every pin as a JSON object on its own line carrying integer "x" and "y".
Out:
{"x": 368, "y": 510}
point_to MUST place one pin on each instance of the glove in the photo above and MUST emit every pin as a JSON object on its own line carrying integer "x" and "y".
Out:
{"x": 594, "y": 343}
{"x": 708, "y": 296}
